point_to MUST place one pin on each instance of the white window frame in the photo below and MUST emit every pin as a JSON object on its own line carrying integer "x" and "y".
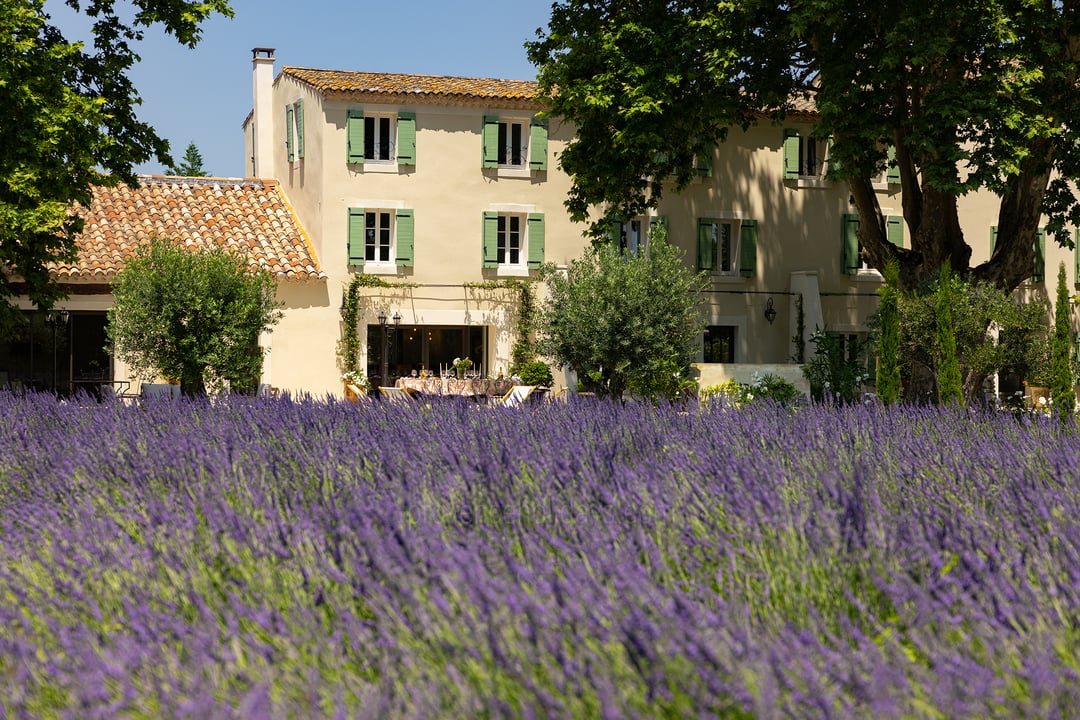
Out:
{"x": 504, "y": 235}
{"x": 634, "y": 242}
{"x": 373, "y": 137}
{"x": 811, "y": 157}
{"x": 506, "y": 126}
{"x": 734, "y": 228}
{"x": 379, "y": 265}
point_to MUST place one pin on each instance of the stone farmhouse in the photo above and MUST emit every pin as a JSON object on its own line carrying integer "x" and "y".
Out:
{"x": 438, "y": 193}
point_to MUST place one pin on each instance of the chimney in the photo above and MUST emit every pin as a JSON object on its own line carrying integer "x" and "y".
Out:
{"x": 262, "y": 121}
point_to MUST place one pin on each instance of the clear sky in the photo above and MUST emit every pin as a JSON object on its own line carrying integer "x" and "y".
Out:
{"x": 203, "y": 95}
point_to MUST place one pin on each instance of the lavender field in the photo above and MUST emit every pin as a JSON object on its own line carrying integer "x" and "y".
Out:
{"x": 304, "y": 558}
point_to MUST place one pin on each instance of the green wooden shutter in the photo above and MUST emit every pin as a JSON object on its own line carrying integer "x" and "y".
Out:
{"x": 538, "y": 142}
{"x": 850, "y": 238}
{"x": 615, "y": 234}
{"x": 536, "y": 239}
{"x": 748, "y": 248}
{"x": 993, "y": 239}
{"x": 491, "y": 239}
{"x": 791, "y": 155}
{"x": 405, "y": 235}
{"x": 355, "y": 136}
{"x": 490, "y": 141}
{"x": 356, "y": 236}
{"x": 894, "y": 230}
{"x": 300, "y": 128}
{"x": 290, "y": 151}
{"x": 704, "y": 164}
{"x": 892, "y": 172}
{"x": 706, "y": 245}
{"x": 1038, "y": 273}
{"x": 406, "y": 138}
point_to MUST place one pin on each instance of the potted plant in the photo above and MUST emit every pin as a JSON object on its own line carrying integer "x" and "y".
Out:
{"x": 357, "y": 385}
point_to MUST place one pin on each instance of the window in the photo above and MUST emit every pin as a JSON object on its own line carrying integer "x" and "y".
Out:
{"x": 381, "y": 138}
{"x": 631, "y": 237}
{"x": 513, "y": 240}
{"x": 804, "y": 156}
{"x": 727, "y": 247}
{"x": 377, "y": 236}
{"x": 294, "y": 123}
{"x": 852, "y": 246}
{"x": 378, "y": 138}
{"x": 719, "y": 344}
{"x": 380, "y": 238}
{"x": 514, "y": 144}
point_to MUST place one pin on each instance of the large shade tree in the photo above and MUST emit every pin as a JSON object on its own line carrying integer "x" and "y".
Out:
{"x": 955, "y": 97}
{"x": 68, "y": 123}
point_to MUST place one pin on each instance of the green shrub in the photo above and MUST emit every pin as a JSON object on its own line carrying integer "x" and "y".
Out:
{"x": 534, "y": 373}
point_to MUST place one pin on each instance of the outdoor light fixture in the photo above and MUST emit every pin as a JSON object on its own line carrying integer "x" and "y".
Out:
{"x": 770, "y": 311}
{"x": 382, "y": 319}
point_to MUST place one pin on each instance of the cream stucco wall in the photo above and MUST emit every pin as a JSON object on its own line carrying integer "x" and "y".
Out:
{"x": 447, "y": 190}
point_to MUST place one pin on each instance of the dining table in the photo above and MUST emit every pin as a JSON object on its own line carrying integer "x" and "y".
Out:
{"x": 464, "y": 387}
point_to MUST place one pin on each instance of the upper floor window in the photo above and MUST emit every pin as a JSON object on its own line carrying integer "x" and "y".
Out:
{"x": 294, "y": 130}
{"x": 381, "y": 138}
{"x": 378, "y": 138}
{"x": 852, "y": 259}
{"x": 631, "y": 237}
{"x": 513, "y": 241}
{"x": 727, "y": 246}
{"x": 380, "y": 239}
{"x": 804, "y": 155}
{"x": 514, "y": 144}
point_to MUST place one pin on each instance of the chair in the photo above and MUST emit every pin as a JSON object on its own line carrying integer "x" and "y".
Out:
{"x": 517, "y": 395}
{"x": 395, "y": 394}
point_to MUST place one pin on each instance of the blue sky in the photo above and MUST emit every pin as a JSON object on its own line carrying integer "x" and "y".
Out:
{"x": 203, "y": 95}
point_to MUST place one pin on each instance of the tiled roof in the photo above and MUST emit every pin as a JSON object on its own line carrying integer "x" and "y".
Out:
{"x": 252, "y": 217}
{"x": 347, "y": 82}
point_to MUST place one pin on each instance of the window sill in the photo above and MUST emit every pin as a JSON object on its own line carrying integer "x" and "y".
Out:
{"x": 868, "y": 275}
{"x": 812, "y": 182}
{"x": 727, "y": 278}
{"x": 513, "y": 172}
{"x": 379, "y": 268}
{"x": 389, "y": 167}
{"x": 512, "y": 271}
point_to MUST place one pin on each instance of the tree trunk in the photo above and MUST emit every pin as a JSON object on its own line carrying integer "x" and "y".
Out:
{"x": 1018, "y": 220}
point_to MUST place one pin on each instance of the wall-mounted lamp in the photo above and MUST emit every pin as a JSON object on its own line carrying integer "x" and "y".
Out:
{"x": 770, "y": 311}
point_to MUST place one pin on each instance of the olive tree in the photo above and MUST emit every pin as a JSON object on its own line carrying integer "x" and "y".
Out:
{"x": 628, "y": 323}
{"x": 192, "y": 315}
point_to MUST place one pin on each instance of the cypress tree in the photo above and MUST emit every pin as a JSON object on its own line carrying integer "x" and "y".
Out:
{"x": 1061, "y": 381}
{"x": 950, "y": 384}
{"x": 888, "y": 371}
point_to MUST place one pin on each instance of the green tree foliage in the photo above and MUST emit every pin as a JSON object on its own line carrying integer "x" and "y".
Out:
{"x": 192, "y": 315}
{"x": 950, "y": 383}
{"x": 1062, "y": 390}
{"x": 836, "y": 369}
{"x": 888, "y": 370}
{"x": 629, "y": 323}
{"x": 68, "y": 123}
{"x": 192, "y": 165}
{"x": 953, "y": 97}
{"x": 993, "y": 334}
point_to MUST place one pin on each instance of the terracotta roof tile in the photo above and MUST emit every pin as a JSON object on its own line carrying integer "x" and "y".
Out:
{"x": 252, "y": 217}
{"x": 375, "y": 83}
